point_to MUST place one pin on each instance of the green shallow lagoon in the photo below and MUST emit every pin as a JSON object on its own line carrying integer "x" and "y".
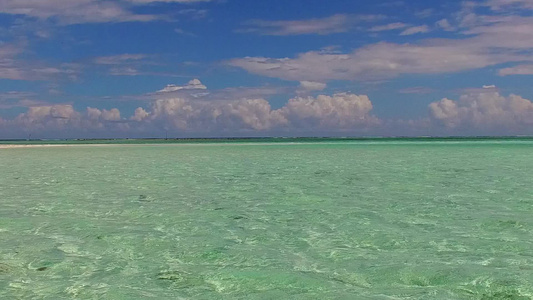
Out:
{"x": 320, "y": 220}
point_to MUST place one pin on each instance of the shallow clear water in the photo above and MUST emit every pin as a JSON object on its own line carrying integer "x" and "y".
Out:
{"x": 343, "y": 220}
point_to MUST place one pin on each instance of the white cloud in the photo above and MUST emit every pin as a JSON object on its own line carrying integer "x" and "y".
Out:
{"x": 480, "y": 111}
{"x": 9, "y": 68}
{"x": 415, "y": 30}
{"x": 484, "y": 110}
{"x": 118, "y": 59}
{"x": 72, "y": 11}
{"x": 127, "y": 65}
{"x": 445, "y": 25}
{"x": 426, "y": 13}
{"x": 10, "y": 103}
{"x": 42, "y": 117}
{"x": 103, "y": 115}
{"x": 416, "y": 90}
{"x": 488, "y": 41}
{"x": 507, "y": 32}
{"x": 312, "y": 86}
{"x": 517, "y": 70}
{"x": 207, "y": 116}
{"x": 194, "y": 84}
{"x": 63, "y": 117}
{"x": 382, "y": 60}
{"x": 140, "y": 114}
{"x": 387, "y": 27}
{"x": 337, "y": 112}
{"x": 247, "y": 92}
{"x": 503, "y": 4}
{"x": 15, "y": 95}
{"x": 12, "y": 67}
{"x": 333, "y": 24}
{"x": 100, "y": 119}
{"x": 340, "y": 112}
{"x": 124, "y": 71}
{"x": 68, "y": 12}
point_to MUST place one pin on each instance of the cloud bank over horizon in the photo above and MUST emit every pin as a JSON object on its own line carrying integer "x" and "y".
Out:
{"x": 181, "y": 111}
{"x": 186, "y": 114}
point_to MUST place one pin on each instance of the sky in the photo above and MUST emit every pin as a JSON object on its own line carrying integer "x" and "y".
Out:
{"x": 235, "y": 68}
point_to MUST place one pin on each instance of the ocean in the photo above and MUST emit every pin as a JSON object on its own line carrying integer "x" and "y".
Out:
{"x": 332, "y": 219}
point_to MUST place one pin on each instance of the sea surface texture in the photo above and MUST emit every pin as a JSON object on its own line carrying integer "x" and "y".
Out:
{"x": 331, "y": 220}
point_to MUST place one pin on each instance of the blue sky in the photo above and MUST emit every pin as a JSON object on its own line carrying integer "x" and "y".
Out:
{"x": 138, "y": 68}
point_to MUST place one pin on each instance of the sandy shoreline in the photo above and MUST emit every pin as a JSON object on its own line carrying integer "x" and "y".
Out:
{"x": 15, "y": 146}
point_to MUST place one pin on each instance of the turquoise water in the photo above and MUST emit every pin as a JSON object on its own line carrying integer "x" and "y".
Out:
{"x": 331, "y": 220}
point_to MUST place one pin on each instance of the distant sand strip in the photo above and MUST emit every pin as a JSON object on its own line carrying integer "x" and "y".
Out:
{"x": 11, "y": 146}
{"x": 15, "y": 146}
{"x": 28, "y": 146}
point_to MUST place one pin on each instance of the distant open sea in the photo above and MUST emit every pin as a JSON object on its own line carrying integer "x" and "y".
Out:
{"x": 268, "y": 219}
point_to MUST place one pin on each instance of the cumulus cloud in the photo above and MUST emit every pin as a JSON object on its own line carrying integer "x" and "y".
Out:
{"x": 484, "y": 110}
{"x": 342, "y": 112}
{"x": 333, "y": 24}
{"x": 206, "y": 116}
{"x": 43, "y": 117}
{"x": 140, "y": 114}
{"x": 95, "y": 118}
{"x": 103, "y": 115}
{"x": 337, "y": 112}
{"x": 63, "y": 117}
